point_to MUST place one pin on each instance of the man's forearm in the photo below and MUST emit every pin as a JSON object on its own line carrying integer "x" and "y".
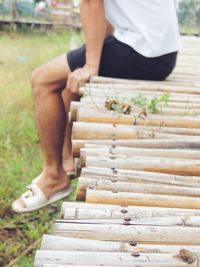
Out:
{"x": 94, "y": 27}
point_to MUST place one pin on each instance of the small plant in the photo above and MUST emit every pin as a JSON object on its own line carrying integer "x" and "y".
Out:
{"x": 153, "y": 105}
{"x": 129, "y": 105}
{"x": 164, "y": 99}
{"x": 115, "y": 105}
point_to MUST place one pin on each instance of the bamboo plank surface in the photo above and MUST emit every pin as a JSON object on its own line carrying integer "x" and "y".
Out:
{"x": 140, "y": 174}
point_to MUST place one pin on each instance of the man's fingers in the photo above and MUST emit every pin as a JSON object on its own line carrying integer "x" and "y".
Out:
{"x": 72, "y": 83}
{"x": 69, "y": 81}
{"x": 74, "y": 86}
{"x": 77, "y": 78}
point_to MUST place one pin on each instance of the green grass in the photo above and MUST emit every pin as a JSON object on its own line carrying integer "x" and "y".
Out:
{"x": 189, "y": 30}
{"x": 20, "y": 154}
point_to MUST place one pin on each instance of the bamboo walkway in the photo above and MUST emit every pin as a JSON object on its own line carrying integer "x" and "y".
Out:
{"x": 140, "y": 174}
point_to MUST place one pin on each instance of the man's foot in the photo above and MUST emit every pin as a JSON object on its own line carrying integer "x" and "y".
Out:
{"x": 49, "y": 185}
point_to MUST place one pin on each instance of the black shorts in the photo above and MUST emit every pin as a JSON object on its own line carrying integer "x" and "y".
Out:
{"x": 119, "y": 60}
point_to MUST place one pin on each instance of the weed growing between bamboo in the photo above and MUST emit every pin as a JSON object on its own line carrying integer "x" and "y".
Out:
{"x": 140, "y": 104}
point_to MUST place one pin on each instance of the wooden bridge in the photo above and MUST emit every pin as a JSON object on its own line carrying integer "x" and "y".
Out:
{"x": 139, "y": 150}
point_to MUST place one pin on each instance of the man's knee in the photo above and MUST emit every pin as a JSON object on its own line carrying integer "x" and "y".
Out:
{"x": 46, "y": 79}
{"x": 38, "y": 80}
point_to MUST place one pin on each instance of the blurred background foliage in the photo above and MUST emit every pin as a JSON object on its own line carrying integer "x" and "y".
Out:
{"x": 188, "y": 11}
{"x": 189, "y": 14}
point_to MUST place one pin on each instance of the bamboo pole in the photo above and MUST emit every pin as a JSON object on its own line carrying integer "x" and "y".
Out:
{"x": 190, "y": 71}
{"x": 184, "y": 64}
{"x": 171, "y": 130}
{"x": 142, "y": 264}
{"x": 160, "y": 221}
{"x": 125, "y": 198}
{"x": 122, "y": 152}
{"x": 67, "y": 265}
{"x": 85, "y": 130}
{"x": 142, "y": 85}
{"x": 181, "y": 143}
{"x": 162, "y": 165}
{"x": 92, "y": 91}
{"x": 185, "y": 77}
{"x": 150, "y": 120}
{"x": 177, "y": 235}
{"x": 95, "y": 96}
{"x": 119, "y": 186}
{"x": 51, "y": 242}
{"x": 93, "y": 216}
{"x": 100, "y": 101}
{"x": 169, "y": 81}
{"x": 89, "y": 258}
{"x": 182, "y": 111}
{"x": 72, "y": 210}
{"x": 132, "y": 176}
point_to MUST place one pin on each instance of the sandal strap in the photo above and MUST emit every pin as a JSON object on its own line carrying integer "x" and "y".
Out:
{"x": 34, "y": 196}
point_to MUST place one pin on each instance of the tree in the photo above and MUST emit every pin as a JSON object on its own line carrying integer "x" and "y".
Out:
{"x": 189, "y": 12}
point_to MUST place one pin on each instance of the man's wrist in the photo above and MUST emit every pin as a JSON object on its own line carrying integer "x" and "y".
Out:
{"x": 93, "y": 68}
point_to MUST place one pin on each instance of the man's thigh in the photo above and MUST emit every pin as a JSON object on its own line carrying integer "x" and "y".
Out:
{"x": 53, "y": 73}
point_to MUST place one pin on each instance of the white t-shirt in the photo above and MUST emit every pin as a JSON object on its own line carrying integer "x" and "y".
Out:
{"x": 148, "y": 26}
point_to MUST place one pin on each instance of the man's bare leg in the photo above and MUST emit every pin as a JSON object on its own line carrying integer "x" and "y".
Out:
{"x": 68, "y": 160}
{"x": 47, "y": 84}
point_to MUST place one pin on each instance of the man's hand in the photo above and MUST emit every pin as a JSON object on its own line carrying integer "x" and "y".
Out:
{"x": 80, "y": 76}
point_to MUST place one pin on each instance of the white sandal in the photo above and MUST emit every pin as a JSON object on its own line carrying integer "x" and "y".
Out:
{"x": 35, "y": 199}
